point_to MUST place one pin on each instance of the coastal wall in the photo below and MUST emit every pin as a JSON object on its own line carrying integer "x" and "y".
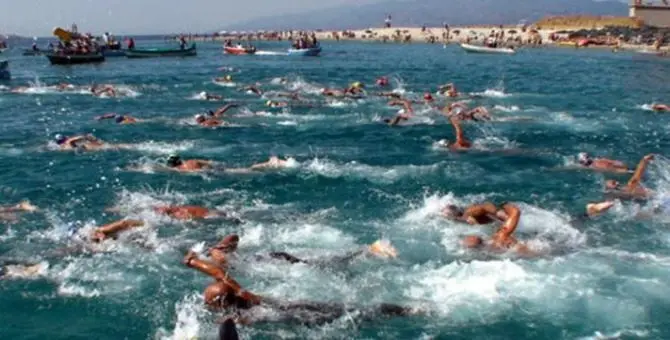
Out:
{"x": 658, "y": 16}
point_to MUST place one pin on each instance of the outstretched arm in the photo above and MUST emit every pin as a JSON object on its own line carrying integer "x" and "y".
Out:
{"x": 110, "y": 230}
{"x": 639, "y": 171}
{"x": 514, "y": 215}
{"x": 106, "y": 116}
{"x": 219, "y": 112}
{"x": 460, "y": 137}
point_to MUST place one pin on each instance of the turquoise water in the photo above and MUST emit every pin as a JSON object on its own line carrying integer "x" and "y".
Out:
{"x": 357, "y": 181}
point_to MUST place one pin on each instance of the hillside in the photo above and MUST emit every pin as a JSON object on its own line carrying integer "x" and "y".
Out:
{"x": 434, "y": 13}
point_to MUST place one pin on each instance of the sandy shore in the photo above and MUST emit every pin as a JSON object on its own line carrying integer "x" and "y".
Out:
{"x": 436, "y": 35}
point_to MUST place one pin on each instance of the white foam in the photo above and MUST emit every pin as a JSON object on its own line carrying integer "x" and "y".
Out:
{"x": 188, "y": 325}
{"x": 492, "y": 93}
{"x": 354, "y": 169}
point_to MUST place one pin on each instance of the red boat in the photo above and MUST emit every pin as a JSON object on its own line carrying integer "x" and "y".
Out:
{"x": 238, "y": 50}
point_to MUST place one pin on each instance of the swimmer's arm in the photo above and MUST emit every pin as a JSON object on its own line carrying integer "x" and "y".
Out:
{"x": 639, "y": 171}
{"x": 512, "y": 222}
{"x": 106, "y": 116}
{"x": 460, "y": 138}
{"x": 116, "y": 227}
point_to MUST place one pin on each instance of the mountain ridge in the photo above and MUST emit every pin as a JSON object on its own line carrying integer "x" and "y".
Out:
{"x": 433, "y": 13}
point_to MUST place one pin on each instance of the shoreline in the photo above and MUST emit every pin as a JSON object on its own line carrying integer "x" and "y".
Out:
{"x": 434, "y": 35}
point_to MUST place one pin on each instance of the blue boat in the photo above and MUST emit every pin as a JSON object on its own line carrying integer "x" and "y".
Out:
{"x": 4, "y": 70}
{"x": 305, "y": 52}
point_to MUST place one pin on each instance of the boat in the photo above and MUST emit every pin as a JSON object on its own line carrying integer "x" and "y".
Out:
{"x": 4, "y": 70}
{"x": 113, "y": 53}
{"x": 484, "y": 49}
{"x": 161, "y": 52}
{"x": 306, "y": 52}
{"x": 31, "y": 52}
{"x": 239, "y": 50}
{"x": 62, "y": 59}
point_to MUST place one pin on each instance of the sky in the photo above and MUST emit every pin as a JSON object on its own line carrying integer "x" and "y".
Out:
{"x": 39, "y": 17}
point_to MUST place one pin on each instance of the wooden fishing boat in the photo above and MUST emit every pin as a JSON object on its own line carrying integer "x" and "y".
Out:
{"x": 305, "y": 52}
{"x": 64, "y": 59}
{"x": 239, "y": 50}
{"x": 161, "y": 52}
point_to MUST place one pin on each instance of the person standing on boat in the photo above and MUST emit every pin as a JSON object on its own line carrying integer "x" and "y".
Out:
{"x": 182, "y": 42}
{"x": 131, "y": 43}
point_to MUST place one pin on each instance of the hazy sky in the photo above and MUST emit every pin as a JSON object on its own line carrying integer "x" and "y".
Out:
{"x": 39, "y": 17}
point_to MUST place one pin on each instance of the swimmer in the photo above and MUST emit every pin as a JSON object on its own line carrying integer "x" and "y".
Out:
{"x": 192, "y": 212}
{"x": 222, "y": 251}
{"x": 477, "y": 114}
{"x": 382, "y": 81}
{"x": 449, "y": 90}
{"x": 208, "y": 122}
{"x": 390, "y": 95}
{"x": 502, "y": 240}
{"x": 355, "y": 89}
{"x": 8, "y": 213}
{"x": 226, "y": 294}
{"x": 428, "y": 98}
{"x": 276, "y": 104}
{"x": 105, "y": 89}
{"x": 18, "y": 270}
{"x": 211, "y": 97}
{"x": 252, "y": 89}
{"x": 86, "y": 142}
{"x": 601, "y": 164}
{"x": 221, "y": 111}
{"x": 273, "y": 163}
{"x": 174, "y": 162}
{"x": 475, "y": 214}
{"x": 407, "y": 113}
{"x": 227, "y": 79}
{"x": 461, "y": 142}
{"x": 660, "y": 108}
{"x": 633, "y": 189}
{"x": 119, "y": 119}
{"x": 111, "y": 230}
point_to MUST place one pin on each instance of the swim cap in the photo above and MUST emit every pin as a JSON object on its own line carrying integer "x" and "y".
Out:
{"x": 268, "y": 103}
{"x": 228, "y": 77}
{"x": 173, "y": 160}
{"x": 60, "y": 139}
{"x": 199, "y": 117}
{"x": 357, "y": 84}
{"x": 203, "y": 94}
{"x": 427, "y": 96}
{"x": 583, "y": 157}
{"x": 119, "y": 119}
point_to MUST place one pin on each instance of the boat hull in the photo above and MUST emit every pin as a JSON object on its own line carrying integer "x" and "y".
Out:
{"x": 57, "y": 59}
{"x": 305, "y": 52}
{"x": 238, "y": 51}
{"x": 114, "y": 53}
{"x": 486, "y": 50}
{"x": 155, "y": 53}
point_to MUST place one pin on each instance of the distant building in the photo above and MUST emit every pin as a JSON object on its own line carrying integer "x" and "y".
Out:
{"x": 652, "y": 13}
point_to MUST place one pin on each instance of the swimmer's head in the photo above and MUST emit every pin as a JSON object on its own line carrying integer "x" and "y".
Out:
{"x": 60, "y": 139}
{"x": 427, "y": 96}
{"x": 229, "y": 243}
{"x": 612, "y": 184}
{"x": 357, "y": 85}
{"x": 203, "y": 94}
{"x": 584, "y": 159}
{"x": 268, "y": 103}
{"x": 228, "y": 78}
{"x": 473, "y": 242}
{"x": 452, "y": 211}
{"x": 119, "y": 119}
{"x": 200, "y": 118}
{"x": 174, "y": 161}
